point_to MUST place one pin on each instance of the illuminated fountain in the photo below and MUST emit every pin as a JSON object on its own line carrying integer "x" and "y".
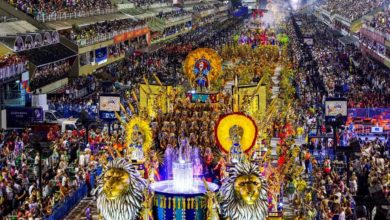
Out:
{"x": 183, "y": 197}
{"x": 183, "y": 178}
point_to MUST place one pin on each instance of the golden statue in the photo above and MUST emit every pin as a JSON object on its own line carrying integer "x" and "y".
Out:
{"x": 248, "y": 188}
{"x": 243, "y": 195}
{"x": 119, "y": 192}
{"x": 116, "y": 181}
{"x": 212, "y": 204}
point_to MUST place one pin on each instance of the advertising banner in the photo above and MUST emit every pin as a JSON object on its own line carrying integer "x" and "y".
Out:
{"x": 101, "y": 55}
{"x": 131, "y": 34}
{"x": 22, "y": 117}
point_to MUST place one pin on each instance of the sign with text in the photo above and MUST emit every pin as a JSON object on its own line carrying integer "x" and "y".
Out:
{"x": 22, "y": 117}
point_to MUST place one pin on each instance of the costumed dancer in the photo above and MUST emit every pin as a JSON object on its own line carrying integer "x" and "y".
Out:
{"x": 208, "y": 159}
{"x": 327, "y": 166}
{"x": 236, "y": 154}
{"x": 136, "y": 145}
{"x": 169, "y": 157}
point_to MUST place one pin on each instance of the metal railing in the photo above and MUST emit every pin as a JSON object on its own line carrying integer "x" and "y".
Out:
{"x": 4, "y": 19}
{"x": 11, "y": 70}
{"x": 376, "y": 31}
{"x": 13, "y": 95}
{"x": 57, "y": 16}
{"x": 103, "y": 37}
{"x": 175, "y": 19}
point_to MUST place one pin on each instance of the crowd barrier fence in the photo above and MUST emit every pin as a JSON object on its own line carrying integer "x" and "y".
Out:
{"x": 11, "y": 70}
{"x": 62, "y": 210}
{"x": 103, "y": 37}
{"x": 56, "y": 16}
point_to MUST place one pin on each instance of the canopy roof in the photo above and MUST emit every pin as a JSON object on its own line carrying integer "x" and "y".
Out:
{"x": 48, "y": 54}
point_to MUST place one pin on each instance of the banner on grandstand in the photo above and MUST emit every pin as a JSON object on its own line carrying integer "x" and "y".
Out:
{"x": 131, "y": 35}
{"x": 372, "y": 53}
{"x": 372, "y": 35}
{"x": 35, "y": 40}
{"x": 108, "y": 105}
{"x": 20, "y": 117}
{"x": 101, "y": 55}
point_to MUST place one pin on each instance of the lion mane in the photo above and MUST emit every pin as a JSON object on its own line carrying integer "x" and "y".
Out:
{"x": 128, "y": 206}
{"x": 233, "y": 206}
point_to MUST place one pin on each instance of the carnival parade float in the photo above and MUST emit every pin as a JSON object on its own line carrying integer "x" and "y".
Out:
{"x": 202, "y": 151}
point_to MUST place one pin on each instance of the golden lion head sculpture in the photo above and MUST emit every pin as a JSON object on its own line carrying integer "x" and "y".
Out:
{"x": 120, "y": 191}
{"x": 243, "y": 195}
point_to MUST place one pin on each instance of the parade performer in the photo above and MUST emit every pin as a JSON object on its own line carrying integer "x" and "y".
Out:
{"x": 208, "y": 159}
{"x": 327, "y": 166}
{"x": 236, "y": 154}
{"x": 136, "y": 145}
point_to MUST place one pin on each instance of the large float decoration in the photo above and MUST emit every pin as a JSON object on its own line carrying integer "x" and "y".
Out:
{"x": 139, "y": 137}
{"x": 236, "y": 134}
{"x": 202, "y": 67}
{"x": 123, "y": 194}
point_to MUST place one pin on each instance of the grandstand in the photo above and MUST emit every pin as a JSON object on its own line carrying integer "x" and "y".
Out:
{"x": 108, "y": 28}
{"x": 6, "y": 17}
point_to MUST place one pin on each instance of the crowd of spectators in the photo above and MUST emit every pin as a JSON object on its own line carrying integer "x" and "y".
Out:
{"x": 200, "y": 8}
{"x": 147, "y": 3}
{"x": 338, "y": 182}
{"x": 68, "y": 107}
{"x": 166, "y": 61}
{"x": 47, "y": 8}
{"x": 176, "y": 29}
{"x": 333, "y": 192}
{"x": 173, "y": 14}
{"x": 352, "y": 9}
{"x": 344, "y": 71}
{"x": 101, "y": 31}
{"x": 372, "y": 45}
{"x": 20, "y": 189}
{"x": 77, "y": 89}
{"x": 50, "y": 73}
{"x": 117, "y": 49}
{"x": 370, "y": 86}
{"x": 11, "y": 65}
{"x": 67, "y": 166}
{"x": 381, "y": 21}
